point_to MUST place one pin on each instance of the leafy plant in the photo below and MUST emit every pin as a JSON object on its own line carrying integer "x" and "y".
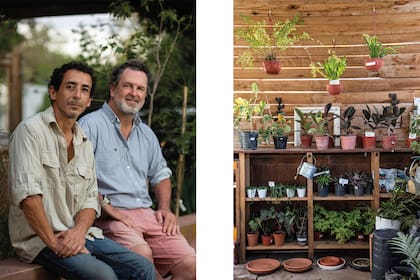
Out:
{"x": 332, "y": 68}
{"x": 277, "y": 190}
{"x": 358, "y": 178}
{"x": 400, "y": 206}
{"x": 265, "y": 221}
{"x": 325, "y": 179}
{"x": 267, "y": 43}
{"x": 321, "y": 221}
{"x": 279, "y": 217}
{"x": 408, "y": 245}
{"x": 376, "y": 49}
{"x": 246, "y": 110}
{"x": 272, "y": 127}
{"x": 253, "y": 226}
{"x": 371, "y": 118}
{"x": 320, "y": 121}
{"x": 391, "y": 113}
{"x": 305, "y": 121}
{"x": 367, "y": 224}
{"x": 347, "y": 119}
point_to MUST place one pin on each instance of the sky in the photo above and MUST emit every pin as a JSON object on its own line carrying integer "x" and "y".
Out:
{"x": 214, "y": 136}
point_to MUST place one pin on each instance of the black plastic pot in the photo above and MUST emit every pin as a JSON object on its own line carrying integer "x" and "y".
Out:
{"x": 340, "y": 190}
{"x": 323, "y": 190}
{"x": 383, "y": 258}
{"x": 280, "y": 142}
{"x": 359, "y": 190}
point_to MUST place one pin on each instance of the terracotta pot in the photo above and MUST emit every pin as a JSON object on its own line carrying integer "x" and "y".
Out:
{"x": 267, "y": 240}
{"x": 252, "y": 238}
{"x": 272, "y": 66}
{"x": 348, "y": 142}
{"x": 306, "y": 141}
{"x": 373, "y": 64}
{"x": 279, "y": 237}
{"x": 369, "y": 142}
{"x": 334, "y": 89}
{"x": 322, "y": 142}
{"x": 388, "y": 141}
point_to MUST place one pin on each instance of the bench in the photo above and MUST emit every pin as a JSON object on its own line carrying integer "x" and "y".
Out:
{"x": 14, "y": 269}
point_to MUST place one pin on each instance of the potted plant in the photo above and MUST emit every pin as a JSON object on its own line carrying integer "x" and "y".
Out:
{"x": 389, "y": 117}
{"x": 339, "y": 188}
{"x": 267, "y": 41}
{"x": 397, "y": 211}
{"x": 245, "y": 111}
{"x": 376, "y": 52}
{"x": 302, "y": 223}
{"x": 301, "y": 190}
{"x": 332, "y": 69}
{"x": 265, "y": 222}
{"x": 290, "y": 190}
{"x": 322, "y": 223}
{"x": 367, "y": 223}
{"x": 253, "y": 233}
{"x": 358, "y": 180}
{"x": 277, "y": 190}
{"x": 279, "y": 234}
{"x": 251, "y": 191}
{"x": 262, "y": 191}
{"x": 305, "y": 122}
{"x": 320, "y": 128}
{"x": 323, "y": 182}
{"x": 372, "y": 121}
{"x": 408, "y": 245}
{"x": 413, "y": 130}
{"x": 348, "y": 140}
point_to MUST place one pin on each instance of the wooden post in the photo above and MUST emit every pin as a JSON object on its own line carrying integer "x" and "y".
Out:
{"x": 181, "y": 158}
{"x": 15, "y": 89}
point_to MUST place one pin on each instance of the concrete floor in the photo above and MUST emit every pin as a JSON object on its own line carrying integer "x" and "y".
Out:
{"x": 314, "y": 273}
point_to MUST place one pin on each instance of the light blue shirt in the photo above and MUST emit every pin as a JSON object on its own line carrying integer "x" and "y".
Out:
{"x": 124, "y": 168}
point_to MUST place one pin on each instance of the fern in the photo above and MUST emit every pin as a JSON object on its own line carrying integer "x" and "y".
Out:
{"x": 408, "y": 245}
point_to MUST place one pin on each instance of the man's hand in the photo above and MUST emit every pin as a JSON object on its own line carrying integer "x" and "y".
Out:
{"x": 70, "y": 243}
{"x": 169, "y": 220}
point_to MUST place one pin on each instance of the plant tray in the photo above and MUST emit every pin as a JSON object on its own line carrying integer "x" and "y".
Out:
{"x": 262, "y": 266}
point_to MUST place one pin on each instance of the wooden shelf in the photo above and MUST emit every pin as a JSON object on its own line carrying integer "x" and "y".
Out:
{"x": 332, "y": 244}
{"x": 257, "y": 167}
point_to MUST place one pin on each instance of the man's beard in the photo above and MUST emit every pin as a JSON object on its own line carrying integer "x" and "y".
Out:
{"x": 126, "y": 109}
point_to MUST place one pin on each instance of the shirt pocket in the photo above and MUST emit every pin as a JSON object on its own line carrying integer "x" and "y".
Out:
{"x": 51, "y": 166}
{"x": 108, "y": 161}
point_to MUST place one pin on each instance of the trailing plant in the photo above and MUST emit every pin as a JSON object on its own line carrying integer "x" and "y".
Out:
{"x": 408, "y": 245}
{"x": 376, "y": 49}
{"x": 267, "y": 43}
{"x": 332, "y": 68}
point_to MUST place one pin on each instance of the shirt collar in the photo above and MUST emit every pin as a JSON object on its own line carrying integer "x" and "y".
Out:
{"x": 78, "y": 134}
{"x": 114, "y": 118}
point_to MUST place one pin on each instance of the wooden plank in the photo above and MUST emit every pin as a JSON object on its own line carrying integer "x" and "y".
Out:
{"x": 293, "y": 72}
{"x": 318, "y": 84}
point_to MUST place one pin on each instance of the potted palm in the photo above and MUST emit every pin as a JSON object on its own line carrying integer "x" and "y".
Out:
{"x": 332, "y": 69}
{"x": 348, "y": 140}
{"x": 245, "y": 112}
{"x": 268, "y": 40}
{"x": 305, "y": 122}
{"x": 376, "y": 52}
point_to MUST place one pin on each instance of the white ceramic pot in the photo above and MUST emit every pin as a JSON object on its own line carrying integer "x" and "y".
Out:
{"x": 382, "y": 223}
{"x": 290, "y": 192}
{"x": 251, "y": 193}
{"x": 301, "y": 192}
{"x": 262, "y": 192}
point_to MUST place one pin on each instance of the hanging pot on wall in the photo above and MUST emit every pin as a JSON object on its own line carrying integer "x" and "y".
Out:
{"x": 334, "y": 87}
{"x": 373, "y": 64}
{"x": 272, "y": 66}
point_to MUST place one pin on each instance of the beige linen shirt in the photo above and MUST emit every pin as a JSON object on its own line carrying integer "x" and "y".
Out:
{"x": 38, "y": 165}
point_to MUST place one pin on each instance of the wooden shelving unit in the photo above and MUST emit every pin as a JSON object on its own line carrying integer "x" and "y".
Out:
{"x": 257, "y": 167}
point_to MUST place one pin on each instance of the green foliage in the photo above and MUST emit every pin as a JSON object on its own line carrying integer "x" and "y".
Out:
{"x": 9, "y": 37}
{"x": 376, "y": 49}
{"x": 332, "y": 68}
{"x": 371, "y": 118}
{"x": 268, "y": 41}
{"x": 278, "y": 190}
{"x": 305, "y": 121}
{"x": 391, "y": 113}
{"x": 245, "y": 110}
{"x": 346, "y": 120}
{"x": 253, "y": 225}
{"x": 325, "y": 179}
{"x": 320, "y": 121}
{"x": 408, "y": 245}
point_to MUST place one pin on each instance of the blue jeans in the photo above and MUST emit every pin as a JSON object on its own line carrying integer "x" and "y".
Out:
{"x": 107, "y": 260}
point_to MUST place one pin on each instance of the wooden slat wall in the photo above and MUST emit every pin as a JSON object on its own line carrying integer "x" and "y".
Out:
{"x": 337, "y": 25}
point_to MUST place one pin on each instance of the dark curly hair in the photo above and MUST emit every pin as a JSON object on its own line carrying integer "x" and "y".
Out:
{"x": 57, "y": 75}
